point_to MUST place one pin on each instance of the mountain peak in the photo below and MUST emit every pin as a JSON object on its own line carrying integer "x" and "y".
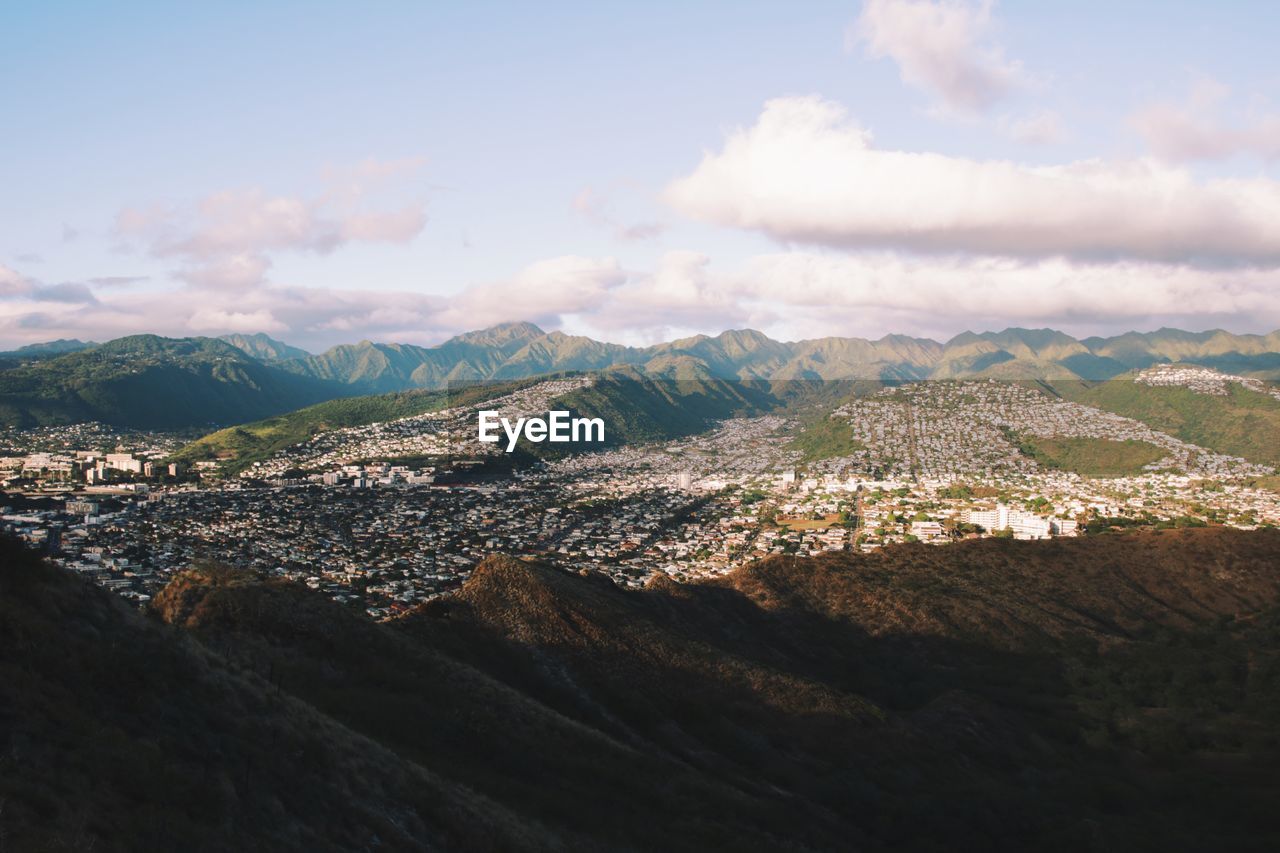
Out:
{"x": 264, "y": 347}
{"x": 56, "y": 347}
{"x": 503, "y": 333}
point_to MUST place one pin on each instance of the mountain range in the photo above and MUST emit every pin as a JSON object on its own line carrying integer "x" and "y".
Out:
{"x": 516, "y": 350}
{"x": 146, "y": 381}
{"x": 1117, "y": 692}
{"x": 149, "y": 382}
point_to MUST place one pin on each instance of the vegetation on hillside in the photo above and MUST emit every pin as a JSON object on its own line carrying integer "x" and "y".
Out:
{"x": 254, "y": 442}
{"x": 637, "y": 408}
{"x": 1091, "y": 457}
{"x": 1242, "y": 423}
{"x": 243, "y": 445}
{"x": 149, "y": 382}
{"x": 826, "y": 438}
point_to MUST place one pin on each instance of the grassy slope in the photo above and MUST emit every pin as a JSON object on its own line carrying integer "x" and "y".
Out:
{"x": 637, "y": 408}
{"x": 1092, "y": 457}
{"x": 1242, "y": 423}
{"x": 826, "y": 438}
{"x": 257, "y": 441}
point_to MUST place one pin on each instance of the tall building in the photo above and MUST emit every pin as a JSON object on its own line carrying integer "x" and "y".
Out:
{"x": 1024, "y": 525}
{"x": 124, "y": 462}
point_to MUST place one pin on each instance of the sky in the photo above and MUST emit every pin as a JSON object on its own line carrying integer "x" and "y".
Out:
{"x": 332, "y": 172}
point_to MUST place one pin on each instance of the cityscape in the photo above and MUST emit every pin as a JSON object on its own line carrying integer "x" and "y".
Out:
{"x": 931, "y": 462}
{"x": 796, "y": 427}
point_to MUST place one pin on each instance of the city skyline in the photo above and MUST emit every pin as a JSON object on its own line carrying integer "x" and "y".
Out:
{"x": 895, "y": 166}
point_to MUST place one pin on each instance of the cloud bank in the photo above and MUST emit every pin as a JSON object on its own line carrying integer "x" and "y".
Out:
{"x": 788, "y": 294}
{"x": 805, "y": 173}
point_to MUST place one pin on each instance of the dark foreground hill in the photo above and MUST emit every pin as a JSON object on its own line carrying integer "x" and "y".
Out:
{"x": 1113, "y": 693}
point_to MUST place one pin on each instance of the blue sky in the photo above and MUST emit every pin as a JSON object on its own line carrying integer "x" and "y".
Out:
{"x": 403, "y": 171}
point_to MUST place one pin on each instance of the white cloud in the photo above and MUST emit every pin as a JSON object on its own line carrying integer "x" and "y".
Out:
{"x": 543, "y": 292}
{"x": 806, "y": 294}
{"x": 1195, "y": 129}
{"x": 12, "y": 283}
{"x": 394, "y": 226}
{"x": 232, "y": 272}
{"x": 805, "y": 173}
{"x": 958, "y": 293}
{"x": 226, "y": 239}
{"x": 942, "y": 47}
{"x": 790, "y": 294}
{"x": 221, "y": 321}
{"x": 679, "y": 296}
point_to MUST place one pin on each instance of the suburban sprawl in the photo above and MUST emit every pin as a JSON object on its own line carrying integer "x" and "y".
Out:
{"x": 385, "y": 515}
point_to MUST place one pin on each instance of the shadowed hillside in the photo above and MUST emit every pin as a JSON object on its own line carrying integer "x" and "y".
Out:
{"x": 1116, "y": 692}
{"x": 118, "y": 733}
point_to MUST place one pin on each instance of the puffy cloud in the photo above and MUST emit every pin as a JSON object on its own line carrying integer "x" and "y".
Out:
{"x": 222, "y": 321}
{"x": 805, "y": 173}
{"x": 807, "y": 294}
{"x": 31, "y": 311}
{"x": 1194, "y": 130}
{"x": 543, "y": 292}
{"x": 232, "y": 272}
{"x": 395, "y": 226}
{"x": 788, "y": 294}
{"x": 679, "y": 296}
{"x": 942, "y": 47}
{"x": 890, "y": 292}
{"x": 242, "y": 221}
{"x": 12, "y": 282}
{"x": 226, "y": 239}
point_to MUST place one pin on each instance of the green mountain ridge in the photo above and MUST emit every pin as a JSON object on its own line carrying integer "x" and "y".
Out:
{"x": 264, "y": 348}
{"x": 516, "y": 350}
{"x": 49, "y": 348}
{"x": 635, "y": 407}
{"x": 149, "y": 382}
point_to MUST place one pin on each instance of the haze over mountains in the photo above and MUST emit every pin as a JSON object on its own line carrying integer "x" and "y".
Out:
{"x": 150, "y": 382}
